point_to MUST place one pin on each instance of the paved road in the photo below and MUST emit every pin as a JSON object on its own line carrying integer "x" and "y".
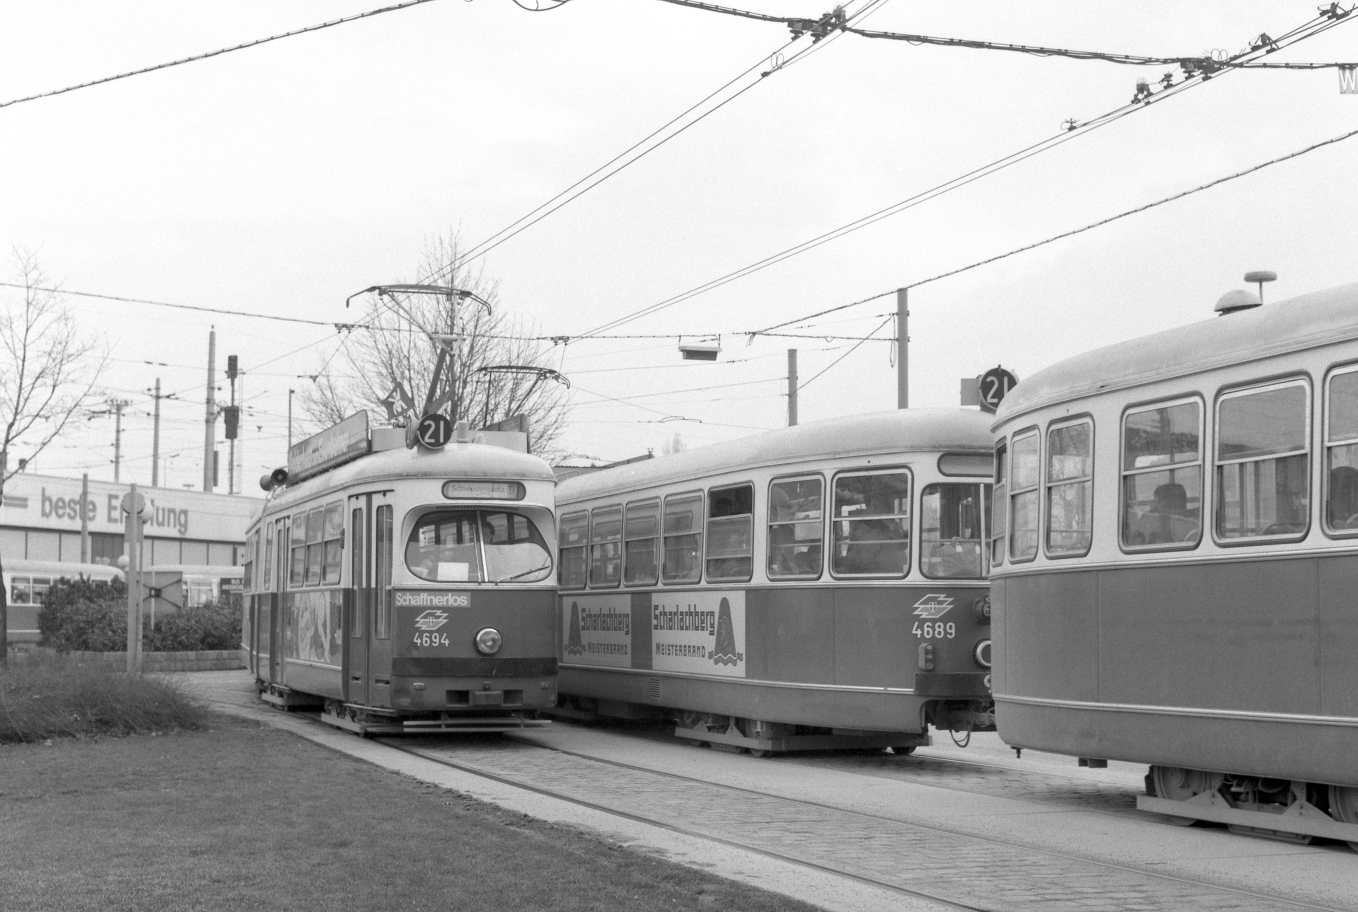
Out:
{"x": 972, "y": 829}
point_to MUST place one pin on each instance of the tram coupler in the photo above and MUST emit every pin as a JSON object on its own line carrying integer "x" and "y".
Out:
{"x": 976, "y": 716}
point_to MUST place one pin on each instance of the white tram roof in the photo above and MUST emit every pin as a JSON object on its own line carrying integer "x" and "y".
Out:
{"x": 467, "y": 461}
{"x": 1305, "y": 322}
{"x": 898, "y": 431}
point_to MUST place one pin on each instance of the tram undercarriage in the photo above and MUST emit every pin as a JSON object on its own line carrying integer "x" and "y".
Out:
{"x": 1289, "y": 811}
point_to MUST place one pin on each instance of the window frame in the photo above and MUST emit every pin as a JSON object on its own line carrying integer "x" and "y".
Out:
{"x": 1239, "y": 391}
{"x": 700, "y": 530}
{"x": 707, "y": 533}
{"x": 1326, "y": 445}
{"x": 650, "y": 505}
{"x": 998, "y": 532}
{"x": 1036, "y": 433}
{"x": 1125, "y": 472}
{"x": 582, "y": 547}
{"x": 597, "y": 515}
{"x": 1048, "y": 485}
{"x": 769, "y": 524}
{"x": 911, "y": 536}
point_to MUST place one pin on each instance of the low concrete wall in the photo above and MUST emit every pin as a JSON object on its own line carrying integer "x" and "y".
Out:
{"x": 210, "y": 660}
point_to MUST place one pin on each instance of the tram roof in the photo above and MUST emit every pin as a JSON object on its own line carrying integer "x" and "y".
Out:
{"x": 455, "y": 461}
{"x": 1309, "y": 321}
{"x": 897, "y": 431}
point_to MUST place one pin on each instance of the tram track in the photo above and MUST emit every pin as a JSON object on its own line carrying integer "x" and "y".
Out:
{"x": 1000, "y": 896}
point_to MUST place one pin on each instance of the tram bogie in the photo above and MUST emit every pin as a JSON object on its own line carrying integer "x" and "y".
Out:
{"x": 405, "y": 591}
{"x": 817, "y": 587}
{"x": 1174, "y": 557}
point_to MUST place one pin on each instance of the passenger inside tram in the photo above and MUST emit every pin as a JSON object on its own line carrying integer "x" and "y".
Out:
{"x": 1169, "y": 518}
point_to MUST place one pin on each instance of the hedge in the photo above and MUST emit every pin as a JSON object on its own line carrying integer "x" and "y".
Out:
{"x": 85, "y": 615}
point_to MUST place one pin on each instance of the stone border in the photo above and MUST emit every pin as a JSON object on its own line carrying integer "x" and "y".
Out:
{"x": 207, "y": 660}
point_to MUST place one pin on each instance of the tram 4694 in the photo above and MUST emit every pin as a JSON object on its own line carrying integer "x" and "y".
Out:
{"x": 819, "y": 586}
{"x": 405, "y": 590}
{"x": 1175, "y": 561}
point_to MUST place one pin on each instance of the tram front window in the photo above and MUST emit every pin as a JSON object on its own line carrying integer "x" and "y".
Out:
{"x": 475, "y": 546}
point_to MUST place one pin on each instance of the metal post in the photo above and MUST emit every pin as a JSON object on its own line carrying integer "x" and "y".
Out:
{"x": 155, "y": 441}
{"x": 210, "y": 415}
{"x": 902, "y": 349}
{"x": 84, "y": 518}
{"x": 791, "y": 387}
{"x": 132, "y": 534}
{"x": 240, "y": 428}
{"x": 118, "y": 406}
{"x": 289, "y": 419}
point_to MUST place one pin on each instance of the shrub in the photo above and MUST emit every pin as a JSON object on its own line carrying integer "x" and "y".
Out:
{"x": 84, "y": 615}
{"x": 45, "y": 696}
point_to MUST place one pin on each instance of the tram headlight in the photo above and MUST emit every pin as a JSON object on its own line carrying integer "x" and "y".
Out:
{"x": 488, "y": 641}
{"x": 982, "y": 653}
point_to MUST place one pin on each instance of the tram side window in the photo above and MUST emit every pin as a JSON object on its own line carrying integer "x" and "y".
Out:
{"x": 1070, "y": 488}
{"x": 574, "y": 544}
{"x": 1341, "y": 452}
{"x": 641, "y": 539}
{"x": 315, "y": 547}
{"x": 382, "y": 541}
{"x": 730, "y": 533}
{"x": 268, "y": 555}
{"x": 334, "y": 541}
{"x": 950, "y": 531}
{"x": 297, "y": 574}
{"x": 1262, "y": 462}
{"x": 796, "y": 528}
{"x": 683, "y": 533}
{"x": 1025, "y": 460}
{"x": 605, "y": 547}
{"x": 248, "y": 563}
{"x": 871, "y": 525}
{"x": 999, "y": 506}
{"x": 1162, "y": 476}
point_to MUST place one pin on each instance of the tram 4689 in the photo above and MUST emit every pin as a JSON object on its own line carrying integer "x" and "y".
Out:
{"x": 1175, "y": 561}
{"x": 819, "y": 586}
{"x": 405, "y": 590}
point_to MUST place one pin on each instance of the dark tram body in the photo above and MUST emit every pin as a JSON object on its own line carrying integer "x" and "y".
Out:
{"x": 819, "y": 586}
{"x": 406, "y": 589}
{"x": 1175, "y": 565}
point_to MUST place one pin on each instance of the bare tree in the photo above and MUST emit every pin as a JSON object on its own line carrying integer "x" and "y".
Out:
{"x": 474, "y": 340}
{"x": 48, "y": 369}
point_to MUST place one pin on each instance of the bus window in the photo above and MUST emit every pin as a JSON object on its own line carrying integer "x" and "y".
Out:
{"x": 683, "y": 533}
{"x": 21, "y": 591}
{"x": 334, "y": 535}
{"x": 1162, "y": 476}
{"x": 871, "y": 525}
{"x": 1023, "y": 503}
{"x": 1341, "y": 452}
{"x": 641, "y": 540}
{"x": 999, "y": 506}
{"x": 730, "y": 533}
{"x": 796, "y": 528}
{"x": 1262, "y": 460}
{"x": 574, "y": 540}
{"x": 1070, "y": 485}
{"x": 382, "y": 537}
{"x": 605, "y": 547}
{"x": 297, "y": 574}
{"x": 950, "y": 531}
{"x": 199, "y": 590}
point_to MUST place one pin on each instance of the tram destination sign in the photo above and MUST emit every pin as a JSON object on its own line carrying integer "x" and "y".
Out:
{"x": 336, "y": 445}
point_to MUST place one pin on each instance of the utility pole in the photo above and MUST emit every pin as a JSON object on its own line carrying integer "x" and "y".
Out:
{"x": 232, "y": 425}
{"x": 118, "y": 405}
{"x": 791, "y": 387}
{"x": 155, "y": 439}
{"x": 210, "y": 416}
{"x": 289, "y": 420}
{"x": 902, "y": 349}
{"x": 84, "y": 518}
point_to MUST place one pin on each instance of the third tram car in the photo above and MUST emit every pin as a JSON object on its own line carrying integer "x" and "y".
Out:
{"x": 1175, "y": 564}
{"x": 405, "y": 590}
{"x": 818, "y": 586}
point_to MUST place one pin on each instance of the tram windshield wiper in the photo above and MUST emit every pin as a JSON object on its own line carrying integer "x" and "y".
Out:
{"x": 505, "y": 579}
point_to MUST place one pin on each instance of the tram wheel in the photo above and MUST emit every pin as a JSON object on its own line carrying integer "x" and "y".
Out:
{"x": 904, "y": 750}
{"x": 757, "y": 728}
{"x": 1344, "y": 806}
{"x": 1178, "y": 784}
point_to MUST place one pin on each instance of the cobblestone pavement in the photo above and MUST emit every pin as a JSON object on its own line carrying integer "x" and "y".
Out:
{"x": 960, "y": 868}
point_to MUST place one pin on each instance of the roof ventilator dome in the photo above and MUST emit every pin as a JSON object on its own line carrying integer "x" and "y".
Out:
{"x": 1233, "y": 301}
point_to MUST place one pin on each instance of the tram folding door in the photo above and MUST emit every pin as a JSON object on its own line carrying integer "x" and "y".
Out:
{"x": 358, "y": 622}
{"x": 280, "y": 615}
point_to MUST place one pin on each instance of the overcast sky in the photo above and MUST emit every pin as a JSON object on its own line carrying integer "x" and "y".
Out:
{"x": 283, "y": 178}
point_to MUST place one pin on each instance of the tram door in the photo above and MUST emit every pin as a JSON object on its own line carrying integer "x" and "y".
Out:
{"x": 358, "y": 627}
{"x": 280, "y": 614}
